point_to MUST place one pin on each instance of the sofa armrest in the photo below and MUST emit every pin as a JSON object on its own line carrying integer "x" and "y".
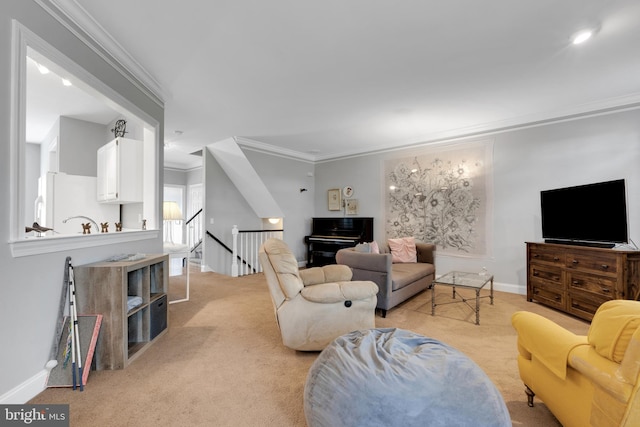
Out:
{"x": 548, "y": 341}
{"x": 331, "y": 293}
{"x": 425, "y": 252}
{"x": 364, "y": 261}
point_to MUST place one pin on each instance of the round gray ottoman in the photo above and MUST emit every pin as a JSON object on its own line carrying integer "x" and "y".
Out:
{"x": 394, "y": 377}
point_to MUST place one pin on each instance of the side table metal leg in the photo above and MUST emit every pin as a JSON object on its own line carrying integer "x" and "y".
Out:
{"x": 477, "y": 306}
{"x": 491, "y": 290}
{"x": 433, "y": 299}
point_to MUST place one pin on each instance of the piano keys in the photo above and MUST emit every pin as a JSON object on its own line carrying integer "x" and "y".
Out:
{"x": 328, "y": 235}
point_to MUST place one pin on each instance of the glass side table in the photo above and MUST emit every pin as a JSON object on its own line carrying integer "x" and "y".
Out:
{"x": 462, "y": 279}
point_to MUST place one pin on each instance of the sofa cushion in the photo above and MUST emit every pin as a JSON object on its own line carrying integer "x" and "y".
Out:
{"x": 363, "y": 247}
{"x": 367, "y": 247}
{"x": 404, "y": 274}
{"x": 602, "y": 371}
{"x": 403, "y": 249}
{"x": 612, "y": 327}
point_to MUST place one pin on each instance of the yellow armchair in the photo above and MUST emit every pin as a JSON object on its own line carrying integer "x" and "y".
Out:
{"x": 584, "y": 380}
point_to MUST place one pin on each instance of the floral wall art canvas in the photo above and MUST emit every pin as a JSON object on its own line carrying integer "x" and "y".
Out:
{"x": 442, "y": 197}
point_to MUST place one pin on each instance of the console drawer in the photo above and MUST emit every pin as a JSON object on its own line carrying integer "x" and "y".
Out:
{"x": 549, "y": 275}
{"x": 602, "y": 263}
{"x": 583, "y": 305}
{"x": 550, "y": 296}
{"x": 545, "y": 255}
{"x": 603, "y": 286}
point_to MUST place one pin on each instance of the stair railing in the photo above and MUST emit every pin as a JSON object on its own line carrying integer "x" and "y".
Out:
{"x": 194, "y": 231}
{"x": 246, "y": 244}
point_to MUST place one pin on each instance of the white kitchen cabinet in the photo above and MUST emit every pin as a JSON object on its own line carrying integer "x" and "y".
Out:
{"x": 120, "y": 171}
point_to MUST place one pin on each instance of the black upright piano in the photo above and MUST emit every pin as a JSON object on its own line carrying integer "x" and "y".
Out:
{"x": 328, "y": 235}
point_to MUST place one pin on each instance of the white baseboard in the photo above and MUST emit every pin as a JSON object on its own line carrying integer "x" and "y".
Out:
{"x": 510, "y": 288}
{"x": 204, "y": 268}
{"x": 26, "y": 391}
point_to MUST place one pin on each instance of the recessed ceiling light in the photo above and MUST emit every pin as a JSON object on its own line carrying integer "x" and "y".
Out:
{"x": 582, "y": 36}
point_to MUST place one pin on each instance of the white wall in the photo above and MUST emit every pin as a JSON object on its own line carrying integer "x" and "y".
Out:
{"x": 525, "y": 162}
{"x": 224, "y": 207}
{"x": 78, "y": 144}
{"x": 175, "y": 177}
{"x": 284, "y": 178}
{"x": 31, "y": 285}
{"x": 32, "y": 172}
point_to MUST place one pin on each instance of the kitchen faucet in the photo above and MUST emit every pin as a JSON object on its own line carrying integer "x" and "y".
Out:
{"x": 85, "y": 217}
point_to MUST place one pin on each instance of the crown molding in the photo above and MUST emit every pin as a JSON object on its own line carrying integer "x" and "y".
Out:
{"x": 577, "y": 112}
{"x": 103, "y": 44}
{"x": 174, "y": 167}
{"x": 582, "y": 111}
{"x": 272, "y": 149}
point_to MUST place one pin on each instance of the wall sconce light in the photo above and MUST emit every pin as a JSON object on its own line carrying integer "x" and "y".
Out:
{"x": 274, "y": 220}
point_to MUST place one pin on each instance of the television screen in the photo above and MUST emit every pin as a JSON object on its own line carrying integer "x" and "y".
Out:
{"x": 585, "y": 213}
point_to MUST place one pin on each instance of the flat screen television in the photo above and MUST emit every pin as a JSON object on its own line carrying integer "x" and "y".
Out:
{"x": 593, "y": 214}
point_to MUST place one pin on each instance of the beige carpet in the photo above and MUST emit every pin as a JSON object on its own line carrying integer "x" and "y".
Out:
{"x": 222, "y": 362}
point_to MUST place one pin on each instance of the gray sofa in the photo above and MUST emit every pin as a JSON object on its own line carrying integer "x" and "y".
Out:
{"x": 397, "y": 282}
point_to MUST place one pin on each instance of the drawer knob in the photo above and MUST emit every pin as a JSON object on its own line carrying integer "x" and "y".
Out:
{"x": 605, "y": 266}
{"x": 605, "y": 290}
{"x": 535, "y": 273}
{"x": 555, "y": 258}
{"x": 575, "y": 261}
{"x": 536, "y": 256}
{"x": 557, "y": 298}
{"x": 576, "y": 283}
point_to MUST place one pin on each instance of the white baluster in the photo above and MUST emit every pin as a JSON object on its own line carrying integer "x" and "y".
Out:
{"x": 234, "y": 259}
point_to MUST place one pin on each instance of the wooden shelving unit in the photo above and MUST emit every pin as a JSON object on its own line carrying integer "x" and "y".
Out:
{"x": 105, "y": 288}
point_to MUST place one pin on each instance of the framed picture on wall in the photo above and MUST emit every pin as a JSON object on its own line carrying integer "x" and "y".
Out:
{"x": 351, "y": 206}
{"x": 334, "y": 199}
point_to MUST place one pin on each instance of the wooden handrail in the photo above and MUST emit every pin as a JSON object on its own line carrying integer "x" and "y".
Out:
{"x": 193, "y": 217}
{"x": 221, "y": 243}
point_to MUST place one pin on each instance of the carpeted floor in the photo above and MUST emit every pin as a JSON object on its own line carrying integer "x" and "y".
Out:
{"x": 222, "y": 363}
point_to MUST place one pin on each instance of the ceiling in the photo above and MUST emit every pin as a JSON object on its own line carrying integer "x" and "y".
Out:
{"x": 48, "y": 99}
{"x": 325, "y": 79}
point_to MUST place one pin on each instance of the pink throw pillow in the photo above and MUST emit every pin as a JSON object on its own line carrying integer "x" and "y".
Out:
{"x": 403, "y": 249}
{"x": 374, "y": 247}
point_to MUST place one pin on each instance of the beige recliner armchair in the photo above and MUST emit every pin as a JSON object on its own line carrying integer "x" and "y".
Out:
{"x": 316, "y": 305}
